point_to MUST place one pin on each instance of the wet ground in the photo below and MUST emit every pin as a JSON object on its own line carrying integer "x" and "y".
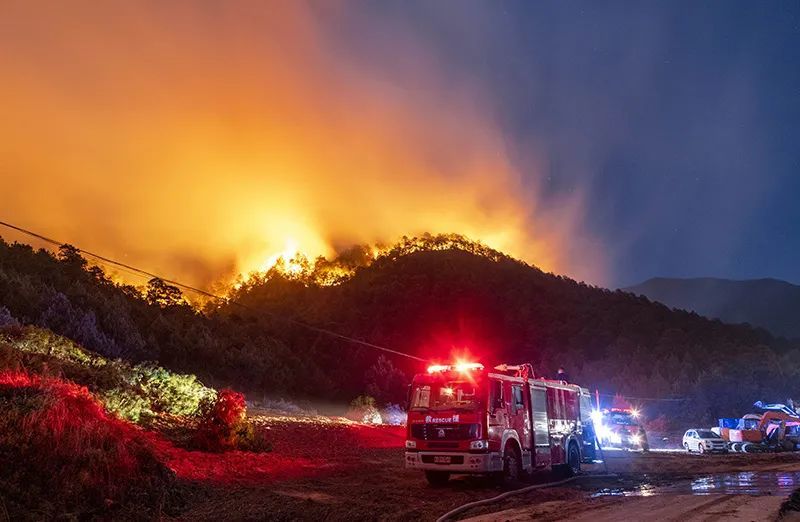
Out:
{"x": 782, "y": 483}
{"x": 672, "y": 486}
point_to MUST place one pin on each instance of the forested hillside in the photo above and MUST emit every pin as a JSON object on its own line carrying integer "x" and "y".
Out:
{"x": 430, "y": 297}
{"x": 429, "y": 302}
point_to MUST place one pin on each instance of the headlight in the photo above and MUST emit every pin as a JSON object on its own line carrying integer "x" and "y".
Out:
{"x": 411, "y": 444}
{"x": 479, "y": 444}
{"x": 636, "y": 439}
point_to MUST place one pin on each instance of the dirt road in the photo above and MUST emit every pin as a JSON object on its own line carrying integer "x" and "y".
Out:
{"x": 663, "y": 507}
{"x": 348, "y": 471}
{"x": 665, "y": 486}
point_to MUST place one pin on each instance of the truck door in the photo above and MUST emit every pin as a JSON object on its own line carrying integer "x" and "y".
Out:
{"x": 541, "y": 431}
{"x": 559, "y": 425}
{"x": 587, "y": 432}
{"x": 520, "y": 419}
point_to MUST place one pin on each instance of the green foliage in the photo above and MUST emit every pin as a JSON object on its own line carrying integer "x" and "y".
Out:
{"x": 134, "y": 392}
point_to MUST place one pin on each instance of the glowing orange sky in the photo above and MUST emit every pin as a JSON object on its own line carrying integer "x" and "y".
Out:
{"x": 197, "y": 139}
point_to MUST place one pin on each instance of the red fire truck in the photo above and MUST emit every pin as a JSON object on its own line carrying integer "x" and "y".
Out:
{"x": 505, "y": 422}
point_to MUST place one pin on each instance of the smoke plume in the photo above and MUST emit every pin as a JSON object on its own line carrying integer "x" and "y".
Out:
{"x": 197, "y": 139}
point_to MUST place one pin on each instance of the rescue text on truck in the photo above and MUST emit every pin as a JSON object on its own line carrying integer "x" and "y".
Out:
{"x": 506, "y": 422}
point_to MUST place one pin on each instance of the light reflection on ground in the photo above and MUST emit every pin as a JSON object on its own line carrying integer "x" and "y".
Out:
{"x": 780, "y": 483}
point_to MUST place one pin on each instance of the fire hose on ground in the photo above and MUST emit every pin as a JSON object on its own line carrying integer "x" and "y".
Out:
{"x": 478, "y": 503}
{"x": 470, "y": 505}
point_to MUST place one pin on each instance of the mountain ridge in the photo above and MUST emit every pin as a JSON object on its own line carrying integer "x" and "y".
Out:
{"x": 769, "y": 303}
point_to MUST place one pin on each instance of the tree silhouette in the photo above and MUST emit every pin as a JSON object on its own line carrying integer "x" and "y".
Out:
{"x": 162, "y": 294}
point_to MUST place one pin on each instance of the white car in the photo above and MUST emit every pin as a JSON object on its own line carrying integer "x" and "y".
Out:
{"x": 704, "y": 441}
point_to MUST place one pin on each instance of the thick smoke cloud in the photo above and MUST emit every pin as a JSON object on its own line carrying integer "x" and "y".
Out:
{"x": 197, "y": 139}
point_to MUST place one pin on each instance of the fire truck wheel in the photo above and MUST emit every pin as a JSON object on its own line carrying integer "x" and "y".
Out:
{"x": 512, "y": 466}
{"x": 573, "y": 460}
{"x": 437, "y": 478}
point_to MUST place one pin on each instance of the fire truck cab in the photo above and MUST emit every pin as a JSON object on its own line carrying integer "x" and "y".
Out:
{"x": 505, "y": 422}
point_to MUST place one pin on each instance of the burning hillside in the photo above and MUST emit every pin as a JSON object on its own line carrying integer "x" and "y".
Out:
{"x": 296, "y": 266}
{"x": 234, "y": 149}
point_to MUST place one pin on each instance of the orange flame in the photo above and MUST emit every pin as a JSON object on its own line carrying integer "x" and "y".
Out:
{"x": 204, "y": 140}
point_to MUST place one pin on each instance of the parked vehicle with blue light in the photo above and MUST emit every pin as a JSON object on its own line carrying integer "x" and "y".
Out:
{"x": 621, "y": 428}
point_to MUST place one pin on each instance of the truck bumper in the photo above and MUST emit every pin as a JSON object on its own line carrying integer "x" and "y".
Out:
{"x": 454, "y": 462}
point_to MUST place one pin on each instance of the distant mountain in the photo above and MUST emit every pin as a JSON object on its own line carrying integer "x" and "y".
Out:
{"x": 769, "y": 303}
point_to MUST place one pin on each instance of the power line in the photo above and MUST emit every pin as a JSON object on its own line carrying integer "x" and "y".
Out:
{"x": 128, "y": 268}
{"x": 137, "y": 271}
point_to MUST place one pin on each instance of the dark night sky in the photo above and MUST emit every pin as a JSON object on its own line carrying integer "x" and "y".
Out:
{"x": 679, "y": 119}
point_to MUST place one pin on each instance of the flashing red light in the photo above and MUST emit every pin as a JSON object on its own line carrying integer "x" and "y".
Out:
{"x": 459, "y": 366}
{"x": 467, "y": 366}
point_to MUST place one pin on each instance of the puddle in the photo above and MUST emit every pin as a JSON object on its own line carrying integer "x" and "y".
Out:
{"x": 780, "y": 483}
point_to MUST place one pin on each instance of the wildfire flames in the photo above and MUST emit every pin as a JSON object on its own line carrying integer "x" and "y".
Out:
{"x": 202, "y": 141}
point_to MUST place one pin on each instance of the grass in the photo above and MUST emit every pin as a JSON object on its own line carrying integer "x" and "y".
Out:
{"x": 79, "y": 462}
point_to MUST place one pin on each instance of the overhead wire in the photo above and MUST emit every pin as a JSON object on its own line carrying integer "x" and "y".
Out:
{"x": 144, "y": 273}
{"x": 129, "y": 268}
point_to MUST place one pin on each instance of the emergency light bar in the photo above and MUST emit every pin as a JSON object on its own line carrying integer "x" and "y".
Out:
{"x": 457, "y": 367}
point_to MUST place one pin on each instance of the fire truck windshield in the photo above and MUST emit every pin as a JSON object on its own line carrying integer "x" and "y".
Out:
{"x": 450, "y": 395}
{"x": 623, "y": 419}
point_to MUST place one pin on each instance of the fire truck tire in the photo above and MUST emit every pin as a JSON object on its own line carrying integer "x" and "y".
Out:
{"x": 512, "y": 466}
{"x": 437, "y": 478}
{"x": 573, "y": 460}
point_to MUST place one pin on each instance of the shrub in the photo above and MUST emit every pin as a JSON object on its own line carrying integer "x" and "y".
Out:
{"x": 362, "y": 409}
{"x": 57, "y": 443}
{"x": 393, "y": 414}
{"x": 223, "y": 425}
{"x": 385, "y": 382}
{"x": 138, "y": 393}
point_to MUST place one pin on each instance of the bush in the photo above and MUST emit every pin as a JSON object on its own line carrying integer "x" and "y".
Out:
{"x": 385, "y": 382}
{"x": 138, "y": 393}
{"x": 362, "y": 409}
{"x": 223, "y": 425}
{"x": 394, "y": 415}
{"x": 57, "y": 443}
